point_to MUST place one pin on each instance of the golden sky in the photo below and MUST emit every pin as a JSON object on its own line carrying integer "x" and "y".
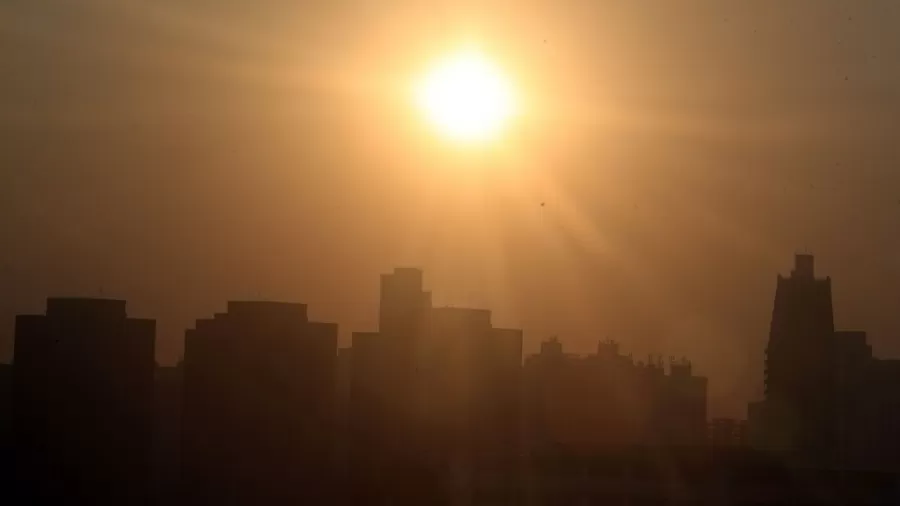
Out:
{"x": 181, "y": 153}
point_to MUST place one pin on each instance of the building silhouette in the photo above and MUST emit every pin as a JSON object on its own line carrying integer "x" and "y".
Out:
{"x": 343, "y": 380}
{"x": 168, "y": 385}
{"x": 385, "y": 449}
{"x": 5, "y": 408}
{"x": 433, "y": 393}
{"x": 6, "y": 436}
{"x": 468, "y": 401}
{"x": 436, "y": 407}
{"x": 83, "y": 404}
{"x": 258, "y": 416}
{"x": 589, "y": 403}
{"x": 828, "y": 401}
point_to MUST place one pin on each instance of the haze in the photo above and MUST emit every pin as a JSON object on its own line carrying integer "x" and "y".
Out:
{"x": 670, "y": 161}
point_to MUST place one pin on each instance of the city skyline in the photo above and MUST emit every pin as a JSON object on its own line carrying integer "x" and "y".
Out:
{"x": 434, "y": 404}
{"x": 450, "y": 252}
{"x": 733, "y": 407}
{"x": 186, "y": 153}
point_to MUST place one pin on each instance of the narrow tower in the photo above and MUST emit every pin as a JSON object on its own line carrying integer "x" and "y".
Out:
{"x": 799, "y": 374}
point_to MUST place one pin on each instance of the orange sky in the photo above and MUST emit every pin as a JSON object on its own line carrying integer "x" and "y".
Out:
{"x": 179, "y": 154}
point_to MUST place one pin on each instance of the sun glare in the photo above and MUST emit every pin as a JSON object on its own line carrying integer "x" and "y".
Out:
{"x": 467, "y": 97}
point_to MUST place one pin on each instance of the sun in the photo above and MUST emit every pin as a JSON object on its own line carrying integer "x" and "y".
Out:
{"x": 466, "y": 97}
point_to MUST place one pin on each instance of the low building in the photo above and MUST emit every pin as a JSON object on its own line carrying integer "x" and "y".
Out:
{"x": 606, "y": 399}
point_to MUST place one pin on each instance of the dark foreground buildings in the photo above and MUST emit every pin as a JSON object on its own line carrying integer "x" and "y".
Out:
{"x": 167, "y": 419}
{"x": 6, "y": 436}
{"x": 828, "y": 402}
{"x": 435, "y": 400}
{"x": 83, "y": 404}
{"x": 257, "y": 425}
{"x": 606, "y": 399}
{"x": 435, "y": 407}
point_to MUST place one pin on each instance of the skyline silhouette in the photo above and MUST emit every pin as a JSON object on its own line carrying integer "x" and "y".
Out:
{"x": 435, "y": 252}
{"x": 437, "y": 405}
{"x": 717, "y": 408}
{"x": 187, "y": 153}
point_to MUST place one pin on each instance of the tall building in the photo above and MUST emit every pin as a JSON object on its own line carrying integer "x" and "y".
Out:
{"x": 384, "y": 448}
{"x": 402, "y": 304}
{"x": 167, "y": 432}
{"x": 604, "y": 400}
{"x": 259, "y": 385}
{"x": 434, "y": 389}
{"x": 343, "y": 379}
{"x": 799, "y": 379}
{"x": 83, "y": 404}
{"x": 468, "y": 379}
{"x": 467, "y": 405}
{"x": 828, "y": 401}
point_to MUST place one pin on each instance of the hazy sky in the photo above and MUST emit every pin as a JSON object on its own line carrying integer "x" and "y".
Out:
{"x": 179, "y": 153}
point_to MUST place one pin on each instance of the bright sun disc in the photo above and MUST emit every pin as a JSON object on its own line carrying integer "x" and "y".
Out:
{"x": 466, "y": 97}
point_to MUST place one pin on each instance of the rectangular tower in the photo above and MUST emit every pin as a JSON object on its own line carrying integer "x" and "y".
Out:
{"x": 382, "y": 432}
{"x": 403, "y": 303}
{"x": 258, "y": 406}
{"x": 799, "y": 375}
{"x": 83, "y": 398}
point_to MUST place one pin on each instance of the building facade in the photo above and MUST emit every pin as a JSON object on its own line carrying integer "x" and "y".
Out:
{"x": 828, "y": 401}
{"x": 258, "y": 423}
{"x": 83, "y": 404}
{"x": 592, "y": 402}
{"x": 432, "y": 393}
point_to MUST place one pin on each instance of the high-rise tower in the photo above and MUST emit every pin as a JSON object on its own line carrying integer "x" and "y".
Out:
{"x": 799, "y": 374}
